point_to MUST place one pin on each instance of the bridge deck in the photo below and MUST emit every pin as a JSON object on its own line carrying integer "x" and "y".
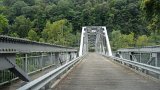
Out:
{"x": 97, "y": 73}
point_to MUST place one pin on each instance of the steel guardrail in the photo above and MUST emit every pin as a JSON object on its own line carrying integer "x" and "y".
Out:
{"x": 45, "y": 79}
{"x": 137, "y": 64}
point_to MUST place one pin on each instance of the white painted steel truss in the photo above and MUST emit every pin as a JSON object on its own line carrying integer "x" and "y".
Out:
{"x": 95, "y": 37}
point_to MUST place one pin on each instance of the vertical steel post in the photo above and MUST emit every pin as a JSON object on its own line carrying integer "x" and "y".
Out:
{"x": 86, "y": 42}
{"x": 51, "y": 58}
{"x": 81, "y": 44}
{"x": 41, "y": 60}
{"x": 156, "y": 60}
{"x": 57, "y": 59}
{"x": 68, "y": 56}
{"x": 75, "y": 55}
{"x": 140, "y": 57}
{"x": 26, "y": 63}
{"x": 71, "y": 55}
{"x": 103, "y": 49}
{"x": 107, "y": 41}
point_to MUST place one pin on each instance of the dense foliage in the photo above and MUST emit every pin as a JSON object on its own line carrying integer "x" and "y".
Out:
{"x": 129, "y": 22}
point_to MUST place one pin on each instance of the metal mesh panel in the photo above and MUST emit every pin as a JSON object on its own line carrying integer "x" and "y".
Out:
{"x": 125, "y": 55}
{"x": 6, "y": 75}
{"x": 137, "y": 56}
{"x": 153, "y": 62}
{"x": 34, "y": 63}
{"x": 46, "y": 60}
{"x": 145, "y": 57}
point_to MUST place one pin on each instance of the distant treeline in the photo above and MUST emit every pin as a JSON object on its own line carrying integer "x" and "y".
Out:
{"x": 129, "y": 22}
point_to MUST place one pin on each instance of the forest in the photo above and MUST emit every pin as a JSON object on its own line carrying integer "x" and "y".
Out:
{"x": 130, "y": 23}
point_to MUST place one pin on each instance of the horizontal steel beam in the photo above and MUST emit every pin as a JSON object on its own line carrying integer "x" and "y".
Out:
{"x": 18, "y": 45}
{"x": 142, "y": 49}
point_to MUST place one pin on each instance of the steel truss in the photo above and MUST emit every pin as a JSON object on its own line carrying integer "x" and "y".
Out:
{"x": 10, "y": 47}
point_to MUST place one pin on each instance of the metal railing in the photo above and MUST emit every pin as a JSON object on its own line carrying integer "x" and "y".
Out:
{"x": 23, "y": 57}
{"x": 45, "y": 80}
{"x": 33, "y": 63}
{"x": 147, "y": 69}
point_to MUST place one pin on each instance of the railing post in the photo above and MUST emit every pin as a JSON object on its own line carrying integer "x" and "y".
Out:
{"x": 140, "y": 59}
{"x": 26, "y": 63}
{"x": 41, "y": 61}
{"x": 75, "y": 55}
{"x": 70, "y": 56}
{"x": 156, "y": 60}
{"x": 51, "y": 58}
{"x": 56, "y": 59}
{"x": 67, "y": 58}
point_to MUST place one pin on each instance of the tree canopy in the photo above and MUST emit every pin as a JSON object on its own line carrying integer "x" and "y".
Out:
{"x": 60, "y": 21}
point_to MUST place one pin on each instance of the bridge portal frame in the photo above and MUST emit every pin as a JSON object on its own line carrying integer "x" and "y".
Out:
{"x": 100, "y": 43}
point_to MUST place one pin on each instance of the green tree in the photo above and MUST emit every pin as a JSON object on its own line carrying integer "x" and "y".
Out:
{"x": 29, "y": 12}
{"x": 16, "y": 8}
{"x": 29, "y": 2}
{"x": 152, "y": 16}
{"x": 127, "y": 17}
{"x": 14, "y": 34}
{"x": 8, "y": 2}
{"x": 21, "y": 26}
{"x": 142, "y": 41}
{"x": 116, "y": 40}
{"x": 3, "y": 23}
{"x": 127, "y": 40}
{"x": 153, "y": 39}
{"x": 32, "y": 35}
{"x": 121, "y": 40}
{"x": 142, "y": 17}
{"x": 58, "y": 32}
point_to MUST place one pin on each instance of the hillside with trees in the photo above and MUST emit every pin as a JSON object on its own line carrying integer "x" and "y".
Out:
{"x": 130, "y": 23}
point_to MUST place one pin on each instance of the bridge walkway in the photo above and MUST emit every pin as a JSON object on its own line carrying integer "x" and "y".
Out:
{"x": 95, "y": 72}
